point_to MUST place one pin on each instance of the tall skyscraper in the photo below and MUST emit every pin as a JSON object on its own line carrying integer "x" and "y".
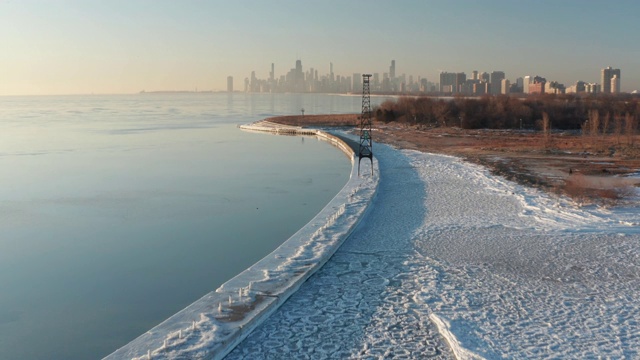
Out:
{"x": 331, "y": 75}
{"x": 229, "y": 83}
{"x": 357, "y": 83}
{"x": 505, "y": 86}
{"x": 496, "y": 78}
{"x": 526, "y": 81}
{"x": 615, "y": 84}
{"x": 272, "y": 74}
{"x": 519, "y": 84}
{"x": 392, "y": 70}
{"x": 607, "y": 74}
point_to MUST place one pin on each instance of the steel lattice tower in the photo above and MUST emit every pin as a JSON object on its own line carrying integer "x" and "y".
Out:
{"x": 365, "y": 149}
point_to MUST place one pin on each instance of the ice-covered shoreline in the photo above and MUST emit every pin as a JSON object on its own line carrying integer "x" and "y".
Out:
{"x": 453, "y": 262}
{"x": 213, "y": 325}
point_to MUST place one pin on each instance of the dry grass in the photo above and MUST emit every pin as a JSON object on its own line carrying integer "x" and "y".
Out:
{"x": 548, "y": 160}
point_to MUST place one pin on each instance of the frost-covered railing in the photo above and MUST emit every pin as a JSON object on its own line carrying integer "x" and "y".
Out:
{"x": 213, "y": 325}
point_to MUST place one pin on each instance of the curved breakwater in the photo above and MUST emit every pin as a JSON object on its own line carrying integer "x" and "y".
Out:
{"x": 213, "y": 325}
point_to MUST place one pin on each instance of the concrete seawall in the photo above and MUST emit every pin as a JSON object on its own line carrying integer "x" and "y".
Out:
{"x": 213, "y": 325}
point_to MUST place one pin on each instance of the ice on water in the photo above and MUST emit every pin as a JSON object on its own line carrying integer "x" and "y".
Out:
{"x": 453, "y": 262}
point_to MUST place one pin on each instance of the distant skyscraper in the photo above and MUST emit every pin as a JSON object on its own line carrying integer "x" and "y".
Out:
{"x": 376, "y": 82}
{"x": 615, "y": 84}
{"x": 607, "y": 74}
{"x": 496, "y": 78}
{"x": 519, "y": 84}
{"x": 392, "y": 70}
{"x": 505, "y": 85}
{"x": 474, "y": 75}
{"x": 452, "y": 82}
{"x": 230, "y": 83}
{"x": 526, "y": 81}
{"x": 357, "y": 83}
{"x": 272, "y": 74}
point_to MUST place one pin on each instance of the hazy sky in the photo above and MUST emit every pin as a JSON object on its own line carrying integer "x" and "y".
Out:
{"x": 77, "y": 47}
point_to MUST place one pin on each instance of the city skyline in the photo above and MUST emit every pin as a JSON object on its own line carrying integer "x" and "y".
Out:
{"x": 87, "y": 47}
{"x": 297, "y": 79}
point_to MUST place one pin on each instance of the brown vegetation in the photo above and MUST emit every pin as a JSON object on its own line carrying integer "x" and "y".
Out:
{"x": 566, "y": 112}
{"x": 570, "y": 145}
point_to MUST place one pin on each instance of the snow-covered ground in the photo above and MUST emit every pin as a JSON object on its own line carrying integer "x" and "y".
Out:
{"x": 453, "y": 262}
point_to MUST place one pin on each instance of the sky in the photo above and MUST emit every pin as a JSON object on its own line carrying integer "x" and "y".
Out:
{"x": 125, "y": 46}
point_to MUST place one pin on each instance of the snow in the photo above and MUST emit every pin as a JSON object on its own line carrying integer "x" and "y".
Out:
{"x": 452, "y": 262}
{"x": 213, "y": 325}
{"x": 448, "y": 262}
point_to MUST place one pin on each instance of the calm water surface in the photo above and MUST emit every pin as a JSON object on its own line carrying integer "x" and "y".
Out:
{"x": 118, "y": 211}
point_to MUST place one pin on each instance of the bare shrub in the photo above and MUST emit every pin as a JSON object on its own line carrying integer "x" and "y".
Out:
{"x": 617, "y": 128}
{"x": 594, "y": 123}
{"x": 630, "y": 128}
{"x": 546, "y": 128}
{"x": 605, "y": 124}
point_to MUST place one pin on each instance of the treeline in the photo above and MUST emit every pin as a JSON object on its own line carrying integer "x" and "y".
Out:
{"x": 505, "y": 112}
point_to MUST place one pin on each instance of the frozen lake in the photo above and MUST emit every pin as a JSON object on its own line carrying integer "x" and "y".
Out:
{"x": 118, "y": 211}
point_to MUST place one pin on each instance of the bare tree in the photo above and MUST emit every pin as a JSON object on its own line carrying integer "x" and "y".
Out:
{"x": 546, "y": 128}
{"x": 594, "y": 123}
{"x": 630, "y": 128}
{"x": 617, "y": 128}
{"x": 605, "y": 124}
{"x": 594, "y": 126}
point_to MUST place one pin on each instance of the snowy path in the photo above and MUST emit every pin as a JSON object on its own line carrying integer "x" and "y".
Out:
{"x": 453, "y": 262}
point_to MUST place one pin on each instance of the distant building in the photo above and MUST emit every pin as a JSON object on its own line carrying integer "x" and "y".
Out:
{"x": 526, "y": 81}
{"x": 424, "y": 85}
{"x": 376, "y": 82}
{"x": 554, "y": 87}
{"x": 578, "y": 87}
{"x": 505, "y": 86}
{"x": 606, "y": 75}
{"x": 357, "y": 82}
{"x": 592, "y": 88}
{"x": 538, "y": 85}
{"x": 229, "y": 84}
{"x": 615, "y": 84}
{"x": 519, "y": 85}
{"x": 480, "y": 88}
{"x": 392, "y": 70}
{"x": 495, "y": 80}
{"x": 451, "y": 82}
